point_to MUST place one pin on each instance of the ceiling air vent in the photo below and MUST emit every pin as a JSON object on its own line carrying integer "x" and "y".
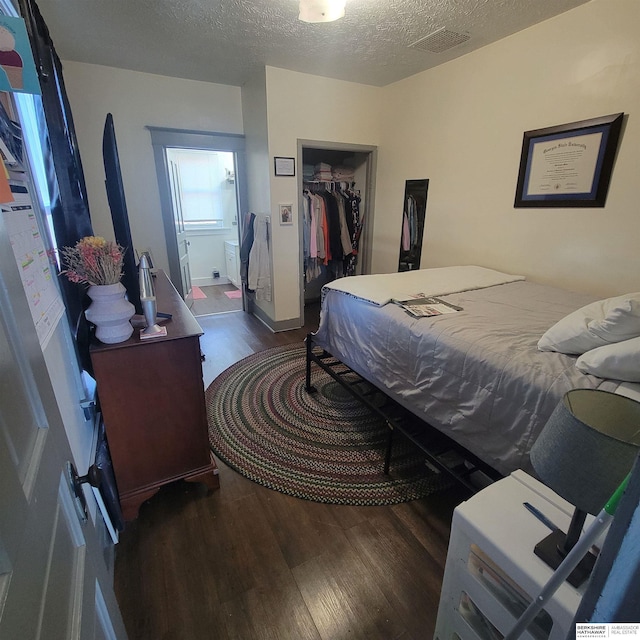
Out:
{"x": 440, "y": 41}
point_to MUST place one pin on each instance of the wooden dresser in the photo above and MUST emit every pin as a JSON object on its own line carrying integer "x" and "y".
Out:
{"x": 152, "y": 399}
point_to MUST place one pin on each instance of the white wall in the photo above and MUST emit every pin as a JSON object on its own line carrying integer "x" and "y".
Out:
{"x": 461, "y": 126}
{"x": 137, "y": 100}
{"x": 206, "y": 253}
{"x": 254, "y": 111}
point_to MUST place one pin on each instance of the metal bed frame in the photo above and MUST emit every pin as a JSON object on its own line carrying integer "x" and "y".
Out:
{"x": 441, "y": 452}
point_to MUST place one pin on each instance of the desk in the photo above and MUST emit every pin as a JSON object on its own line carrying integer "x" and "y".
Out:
{"x": 152, "y": 400}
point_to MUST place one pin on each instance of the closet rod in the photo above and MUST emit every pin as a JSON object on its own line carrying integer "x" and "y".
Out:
{"x": 332, "y": 184}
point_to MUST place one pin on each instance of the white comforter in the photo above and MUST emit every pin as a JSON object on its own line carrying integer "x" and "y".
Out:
{"x": 380, "y": 289}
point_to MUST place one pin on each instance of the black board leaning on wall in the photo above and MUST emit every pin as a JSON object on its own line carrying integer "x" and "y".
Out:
{"x": 65, "y": 177}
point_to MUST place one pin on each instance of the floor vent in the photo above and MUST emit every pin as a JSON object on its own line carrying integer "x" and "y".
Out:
{"x": 440, "y": 41}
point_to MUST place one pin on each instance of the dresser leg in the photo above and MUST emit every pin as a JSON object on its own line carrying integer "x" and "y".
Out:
{"x": 208, "y": 475}
{"x": 130, "y": 504}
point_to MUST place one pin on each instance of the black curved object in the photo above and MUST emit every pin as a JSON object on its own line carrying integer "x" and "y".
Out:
{"x": 101, "y": 475}
{"x": 119, "y": 214}
{"x": 65, "y": 177}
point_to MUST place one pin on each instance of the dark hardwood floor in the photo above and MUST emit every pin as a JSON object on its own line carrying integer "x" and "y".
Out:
{"x": 248, "y": 563}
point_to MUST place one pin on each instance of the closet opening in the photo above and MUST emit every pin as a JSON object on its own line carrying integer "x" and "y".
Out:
{"x": 336, "y": 188}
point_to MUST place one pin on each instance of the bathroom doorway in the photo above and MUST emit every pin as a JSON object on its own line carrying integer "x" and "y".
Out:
{"x": 201, "y": 184}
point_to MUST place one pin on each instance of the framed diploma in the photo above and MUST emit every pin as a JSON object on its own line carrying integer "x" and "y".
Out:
{"x": 568, "y": 165}
{"x": 284, "y": 166}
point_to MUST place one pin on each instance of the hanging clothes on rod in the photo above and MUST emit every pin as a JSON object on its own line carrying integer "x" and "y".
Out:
{"x": 332, "y": 227}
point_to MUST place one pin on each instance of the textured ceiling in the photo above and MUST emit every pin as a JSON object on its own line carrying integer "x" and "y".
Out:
{"x": 226, "y": 41}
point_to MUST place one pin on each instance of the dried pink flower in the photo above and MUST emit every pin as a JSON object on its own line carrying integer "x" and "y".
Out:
{"x": 93, "y": 261}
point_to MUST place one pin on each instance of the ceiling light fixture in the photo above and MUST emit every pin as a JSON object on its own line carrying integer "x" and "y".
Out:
{"x": 321, "y": 10}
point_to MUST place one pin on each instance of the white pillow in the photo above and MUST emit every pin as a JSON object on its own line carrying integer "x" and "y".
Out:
{"x": 595, "y": 325}
{"x": 619, "y": 361}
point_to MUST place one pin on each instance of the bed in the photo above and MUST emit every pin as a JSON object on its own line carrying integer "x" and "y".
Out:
{"x": 476, "y": 375}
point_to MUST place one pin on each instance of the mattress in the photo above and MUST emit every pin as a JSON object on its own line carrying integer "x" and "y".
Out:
{"x": 477, "y": 374}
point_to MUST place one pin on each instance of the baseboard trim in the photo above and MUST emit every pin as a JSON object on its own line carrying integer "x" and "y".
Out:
{"x": 274, "y": 326}
{"x": 208, "y": 282}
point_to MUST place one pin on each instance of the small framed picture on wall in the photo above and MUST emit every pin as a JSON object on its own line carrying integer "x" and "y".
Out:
{"x": 286, "y": 214}
{"x": 284, "y": 166}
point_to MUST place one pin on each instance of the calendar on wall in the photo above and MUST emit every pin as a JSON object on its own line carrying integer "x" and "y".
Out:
{"x": 22, "y": 221}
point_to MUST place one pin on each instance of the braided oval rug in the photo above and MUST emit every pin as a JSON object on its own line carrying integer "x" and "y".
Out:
{"x": 325, "y": 447}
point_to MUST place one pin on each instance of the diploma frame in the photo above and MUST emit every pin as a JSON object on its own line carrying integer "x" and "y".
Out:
{"x": 284, "y": 166}
{"x": 595, "y": 172}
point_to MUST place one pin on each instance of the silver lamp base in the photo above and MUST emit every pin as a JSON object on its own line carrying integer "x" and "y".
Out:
{"x": 152, "y": 330}
{"x": 149, "y": 309}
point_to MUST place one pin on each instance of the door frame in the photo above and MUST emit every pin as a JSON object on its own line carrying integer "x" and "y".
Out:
{"x": 369, "y": 192}
{"x": 164, "y": 138}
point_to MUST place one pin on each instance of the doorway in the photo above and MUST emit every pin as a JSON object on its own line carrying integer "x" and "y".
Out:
{"x": 342, "y": 169}
{"x": 200, "y": 177}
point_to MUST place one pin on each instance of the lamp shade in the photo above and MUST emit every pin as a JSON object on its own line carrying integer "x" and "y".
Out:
{"x": 588, "y": 446}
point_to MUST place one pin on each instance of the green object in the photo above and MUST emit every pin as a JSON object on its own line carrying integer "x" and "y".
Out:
{"x": 600, "y": 524}
{"x": 612, "y": 503}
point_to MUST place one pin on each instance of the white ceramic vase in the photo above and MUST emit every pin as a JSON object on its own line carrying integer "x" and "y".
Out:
{"x": 110, "y": 312}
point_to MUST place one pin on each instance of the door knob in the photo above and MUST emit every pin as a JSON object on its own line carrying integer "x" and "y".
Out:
{"x": 93, "y": 477}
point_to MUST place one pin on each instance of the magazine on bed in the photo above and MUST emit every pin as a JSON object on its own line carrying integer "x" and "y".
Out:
{"x": 422, "y": 307}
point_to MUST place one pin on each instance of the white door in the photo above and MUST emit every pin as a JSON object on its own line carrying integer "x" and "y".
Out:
{"x": 54, "y": 583}
{"x": 180, "y": 229}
